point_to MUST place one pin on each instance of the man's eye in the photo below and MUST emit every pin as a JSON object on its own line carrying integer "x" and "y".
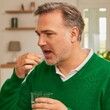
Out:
{"x": 49, "y": 34}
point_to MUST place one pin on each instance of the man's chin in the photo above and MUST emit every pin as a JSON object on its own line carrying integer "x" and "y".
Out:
{"x": 50, "y": 62}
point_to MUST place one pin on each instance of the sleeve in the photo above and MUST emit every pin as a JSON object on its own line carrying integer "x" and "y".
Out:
{"x": 105, "y": 105}
{"x": 13, "y": 92}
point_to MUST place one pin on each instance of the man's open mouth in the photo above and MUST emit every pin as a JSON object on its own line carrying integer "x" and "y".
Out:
{"x": 47, "y": 53}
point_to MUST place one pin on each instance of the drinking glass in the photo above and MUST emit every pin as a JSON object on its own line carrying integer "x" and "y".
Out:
{"x": 37, "y": 94}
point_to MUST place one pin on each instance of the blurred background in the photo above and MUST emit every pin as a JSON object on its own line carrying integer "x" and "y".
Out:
{"x": 17, "y": 23}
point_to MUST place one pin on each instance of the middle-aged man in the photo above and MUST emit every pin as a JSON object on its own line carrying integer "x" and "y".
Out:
{"x": 78, "y": 78}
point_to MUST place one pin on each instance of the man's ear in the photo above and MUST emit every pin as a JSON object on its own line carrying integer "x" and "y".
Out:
{"x": 74, "y": 33}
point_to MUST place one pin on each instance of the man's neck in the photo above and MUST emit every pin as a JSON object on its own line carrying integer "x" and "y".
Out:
{"x": 73, "y": 62}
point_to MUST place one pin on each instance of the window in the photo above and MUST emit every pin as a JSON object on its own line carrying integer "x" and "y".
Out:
{"x": 95, "y": 29}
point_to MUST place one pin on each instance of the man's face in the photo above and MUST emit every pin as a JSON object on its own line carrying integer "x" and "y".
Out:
{"x": 54, "y": 37}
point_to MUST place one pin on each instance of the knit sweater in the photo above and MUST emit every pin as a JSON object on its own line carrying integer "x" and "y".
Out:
{"x": 89, "y": 89}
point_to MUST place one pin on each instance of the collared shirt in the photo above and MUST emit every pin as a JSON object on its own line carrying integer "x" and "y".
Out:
{"x": 74, "y": 71}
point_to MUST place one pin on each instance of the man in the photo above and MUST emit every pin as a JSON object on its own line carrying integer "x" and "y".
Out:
{"x": 78, "y": 78}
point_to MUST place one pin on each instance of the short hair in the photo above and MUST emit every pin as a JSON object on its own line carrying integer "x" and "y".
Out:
{"x": 71, "y": 15}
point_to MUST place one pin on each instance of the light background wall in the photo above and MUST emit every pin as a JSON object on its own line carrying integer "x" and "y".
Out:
{"x": 28, "y": 39}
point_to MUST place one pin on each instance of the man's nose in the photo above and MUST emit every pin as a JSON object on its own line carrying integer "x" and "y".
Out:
{"x": 41, "y": 41}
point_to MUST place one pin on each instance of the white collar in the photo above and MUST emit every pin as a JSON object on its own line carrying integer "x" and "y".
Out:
{"x": 74, "y": 71}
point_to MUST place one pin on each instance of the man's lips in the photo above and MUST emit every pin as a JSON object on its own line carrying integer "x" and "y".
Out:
{"x": 47, "y": 53}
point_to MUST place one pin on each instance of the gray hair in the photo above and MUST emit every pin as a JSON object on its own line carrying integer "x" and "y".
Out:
{"x": 71, "y": 15}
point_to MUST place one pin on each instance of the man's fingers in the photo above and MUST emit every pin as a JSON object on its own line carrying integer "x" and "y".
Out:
{"x": 45, "y": 100}
{"x": 26, "y": 62}
{"x": 29, "y": 62}
{"x": 44, "y": 103}
{"x": 32, "y": 56}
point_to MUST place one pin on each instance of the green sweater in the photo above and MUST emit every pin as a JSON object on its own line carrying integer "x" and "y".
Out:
{"x": 89, "y": 89}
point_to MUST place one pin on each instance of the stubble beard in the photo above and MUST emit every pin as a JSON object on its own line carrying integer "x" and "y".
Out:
{"x": 51, "y": 61}
{"x": 57, "y": 60}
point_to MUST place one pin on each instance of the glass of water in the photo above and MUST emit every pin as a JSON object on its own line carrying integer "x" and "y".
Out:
{"x": 37, "y": 94}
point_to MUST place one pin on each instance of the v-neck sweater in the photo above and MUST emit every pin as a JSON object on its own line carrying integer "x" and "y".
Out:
{"x": 89, "y": 89}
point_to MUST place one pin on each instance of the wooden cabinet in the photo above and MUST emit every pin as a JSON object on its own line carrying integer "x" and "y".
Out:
{"x": 19, "y": 12}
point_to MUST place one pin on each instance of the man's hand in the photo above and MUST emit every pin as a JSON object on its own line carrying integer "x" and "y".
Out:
{"x": 48, "y": 104}
{"x": 25, "y": 63}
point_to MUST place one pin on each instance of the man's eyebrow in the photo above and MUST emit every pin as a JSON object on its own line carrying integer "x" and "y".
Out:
{"x": 44, "y": 31}
{"x": 37, "y": 32}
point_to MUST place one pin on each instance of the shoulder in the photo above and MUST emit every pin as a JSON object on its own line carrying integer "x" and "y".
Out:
{"x": 101, "y": 61}
{"x": 100, "y": 66}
